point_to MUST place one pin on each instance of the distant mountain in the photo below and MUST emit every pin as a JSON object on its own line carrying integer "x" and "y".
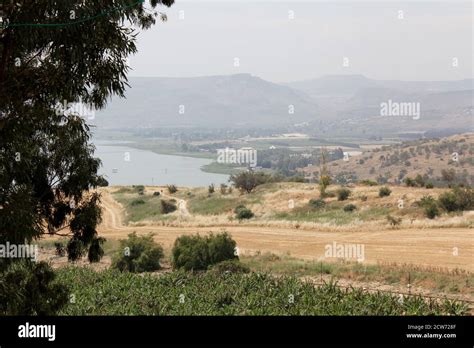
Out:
{"x": 355, "y": 102}
{"x": 339, "y": 85}
{"x": 335, "y": 104}
{"x": 213, "y": 101}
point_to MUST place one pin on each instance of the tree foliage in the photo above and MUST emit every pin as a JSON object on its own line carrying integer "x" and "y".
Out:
{"x": 53, "y": 55}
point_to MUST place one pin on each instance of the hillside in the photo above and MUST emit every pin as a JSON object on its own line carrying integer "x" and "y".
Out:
{"x": 212, "y": 101}
{"x": 335, "y": 105}
{"x": 429, "y": 158}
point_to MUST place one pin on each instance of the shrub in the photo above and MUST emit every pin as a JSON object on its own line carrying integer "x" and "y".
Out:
{"x": 167, "y": 206}
{"x": 363, "y": 198}
{"x": 242, "y": 212}
{"x": 138, "y": 254}
{"x": 223, "y": 189}
{"x": 409, "y": 182}
{"x": 429, "y": 185}
{"x": 459, "y": 199}
{"x": 156, "y": 193}
{"x": 211, "y": 189}
{"x": 29, "y": 288}
{"x": 420, "y": 181}
{"x": 343, "y": 194}
{"x": 350, "y": 208}
{"x": 426, "y": 201}
{"x": 172, "y": 189}
{"x": 317, "y": 203}
{"x": 431, "y": 211}
{"x": 230, "y": 266}
{"x": 198, "y": 253}
{"x": 140, "y": 189}
{"x": 60, "y": 250}
{"x": 394, "y": 221}
{"x": 248, "y": 181}
{"x": 369, "y": 182}
{"x": 384, "y": 191}
{"x": 136, "y": 202}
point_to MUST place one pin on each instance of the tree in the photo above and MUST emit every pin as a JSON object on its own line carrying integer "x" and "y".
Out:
{"x": 54, "y": 55}
{"x": 324, "y": 178}
{"x": 248, "y": 181}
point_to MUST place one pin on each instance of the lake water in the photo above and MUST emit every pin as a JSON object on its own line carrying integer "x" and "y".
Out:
{"x": 123, "y": 165}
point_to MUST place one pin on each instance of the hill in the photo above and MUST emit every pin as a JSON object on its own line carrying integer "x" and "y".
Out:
{"x": 203, "y": 102}
{"x": 440, "y": 161}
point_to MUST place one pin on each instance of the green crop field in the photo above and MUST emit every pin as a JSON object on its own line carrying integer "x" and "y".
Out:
{"x": 113, "y": 293}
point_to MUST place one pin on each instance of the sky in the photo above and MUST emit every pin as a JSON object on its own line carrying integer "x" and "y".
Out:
{"x": 284, "y": 41}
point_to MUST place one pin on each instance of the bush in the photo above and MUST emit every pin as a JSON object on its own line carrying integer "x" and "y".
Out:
{"x": 156, "y": 193}
{"x": 384, "y": 191}
{"x": 60, "y": 250}
{"x": 431, "y": 211}
{"x": 138, "y": 254}
{"x": 137, "y": 202}
{"x": 140, "y": 189}
{"x": 448, "y": 201}
{"x": 429, "y": 185}
{"x": 211, "y": 189}
{"x": 167, "y": 206}
{"x": 409, "y": 182}
{"x": 343, "y": 194}
{"x": 394, "y": 221}
{"x": 248, "y": 181}
{"x": 350, "y": 208}
{"x": 369, "y": 182}
{"x": 363, "y": 198}
{"x": 223, "y": 189}
{"x": 198, "y": 253}
{"x": 172, "y": 189}
{"x": 242, "y": 212}
{"x": 230, "y": 266}
{"x": 317, "y": 203}
{"x": 420, "y": 181}
{"x": 459, "y": 199}
{"x": 29, "y": 288}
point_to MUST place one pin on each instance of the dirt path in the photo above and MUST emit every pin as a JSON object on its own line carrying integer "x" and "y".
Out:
{"x": 433, "y": 247}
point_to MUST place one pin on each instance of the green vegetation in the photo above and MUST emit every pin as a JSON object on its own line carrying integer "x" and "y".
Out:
{"x": 332, "y": 213}
{"x": 248, "y": 181}
{"x": 459, "y": 199}
{"x": 29, "y": 288}
{"x": 138, "y": 254}
{"x": 449, "y": 281}
{"x": 139, "y": 208}
{"x": 369, "y": 182}
{"x": 168, "y": 206}
{"x": 213, "y": 293}
{"x": 394, "y": 221}
{"x": 214, "y": 205}
{"x": 350, "y": 208}
{"x": 343, "y": 194}
{"x": 384, "y": 192}
{"x": 317, "y": 203}
{"x": 242, "y": 212}
{"x": 172, "y": 189}
{"x": 199, "y": 252}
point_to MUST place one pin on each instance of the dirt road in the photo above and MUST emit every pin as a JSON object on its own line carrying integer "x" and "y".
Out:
{"x": 435, "y": 247}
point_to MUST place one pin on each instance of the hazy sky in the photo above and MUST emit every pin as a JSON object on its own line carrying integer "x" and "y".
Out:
{"x": 423, "y": 45}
